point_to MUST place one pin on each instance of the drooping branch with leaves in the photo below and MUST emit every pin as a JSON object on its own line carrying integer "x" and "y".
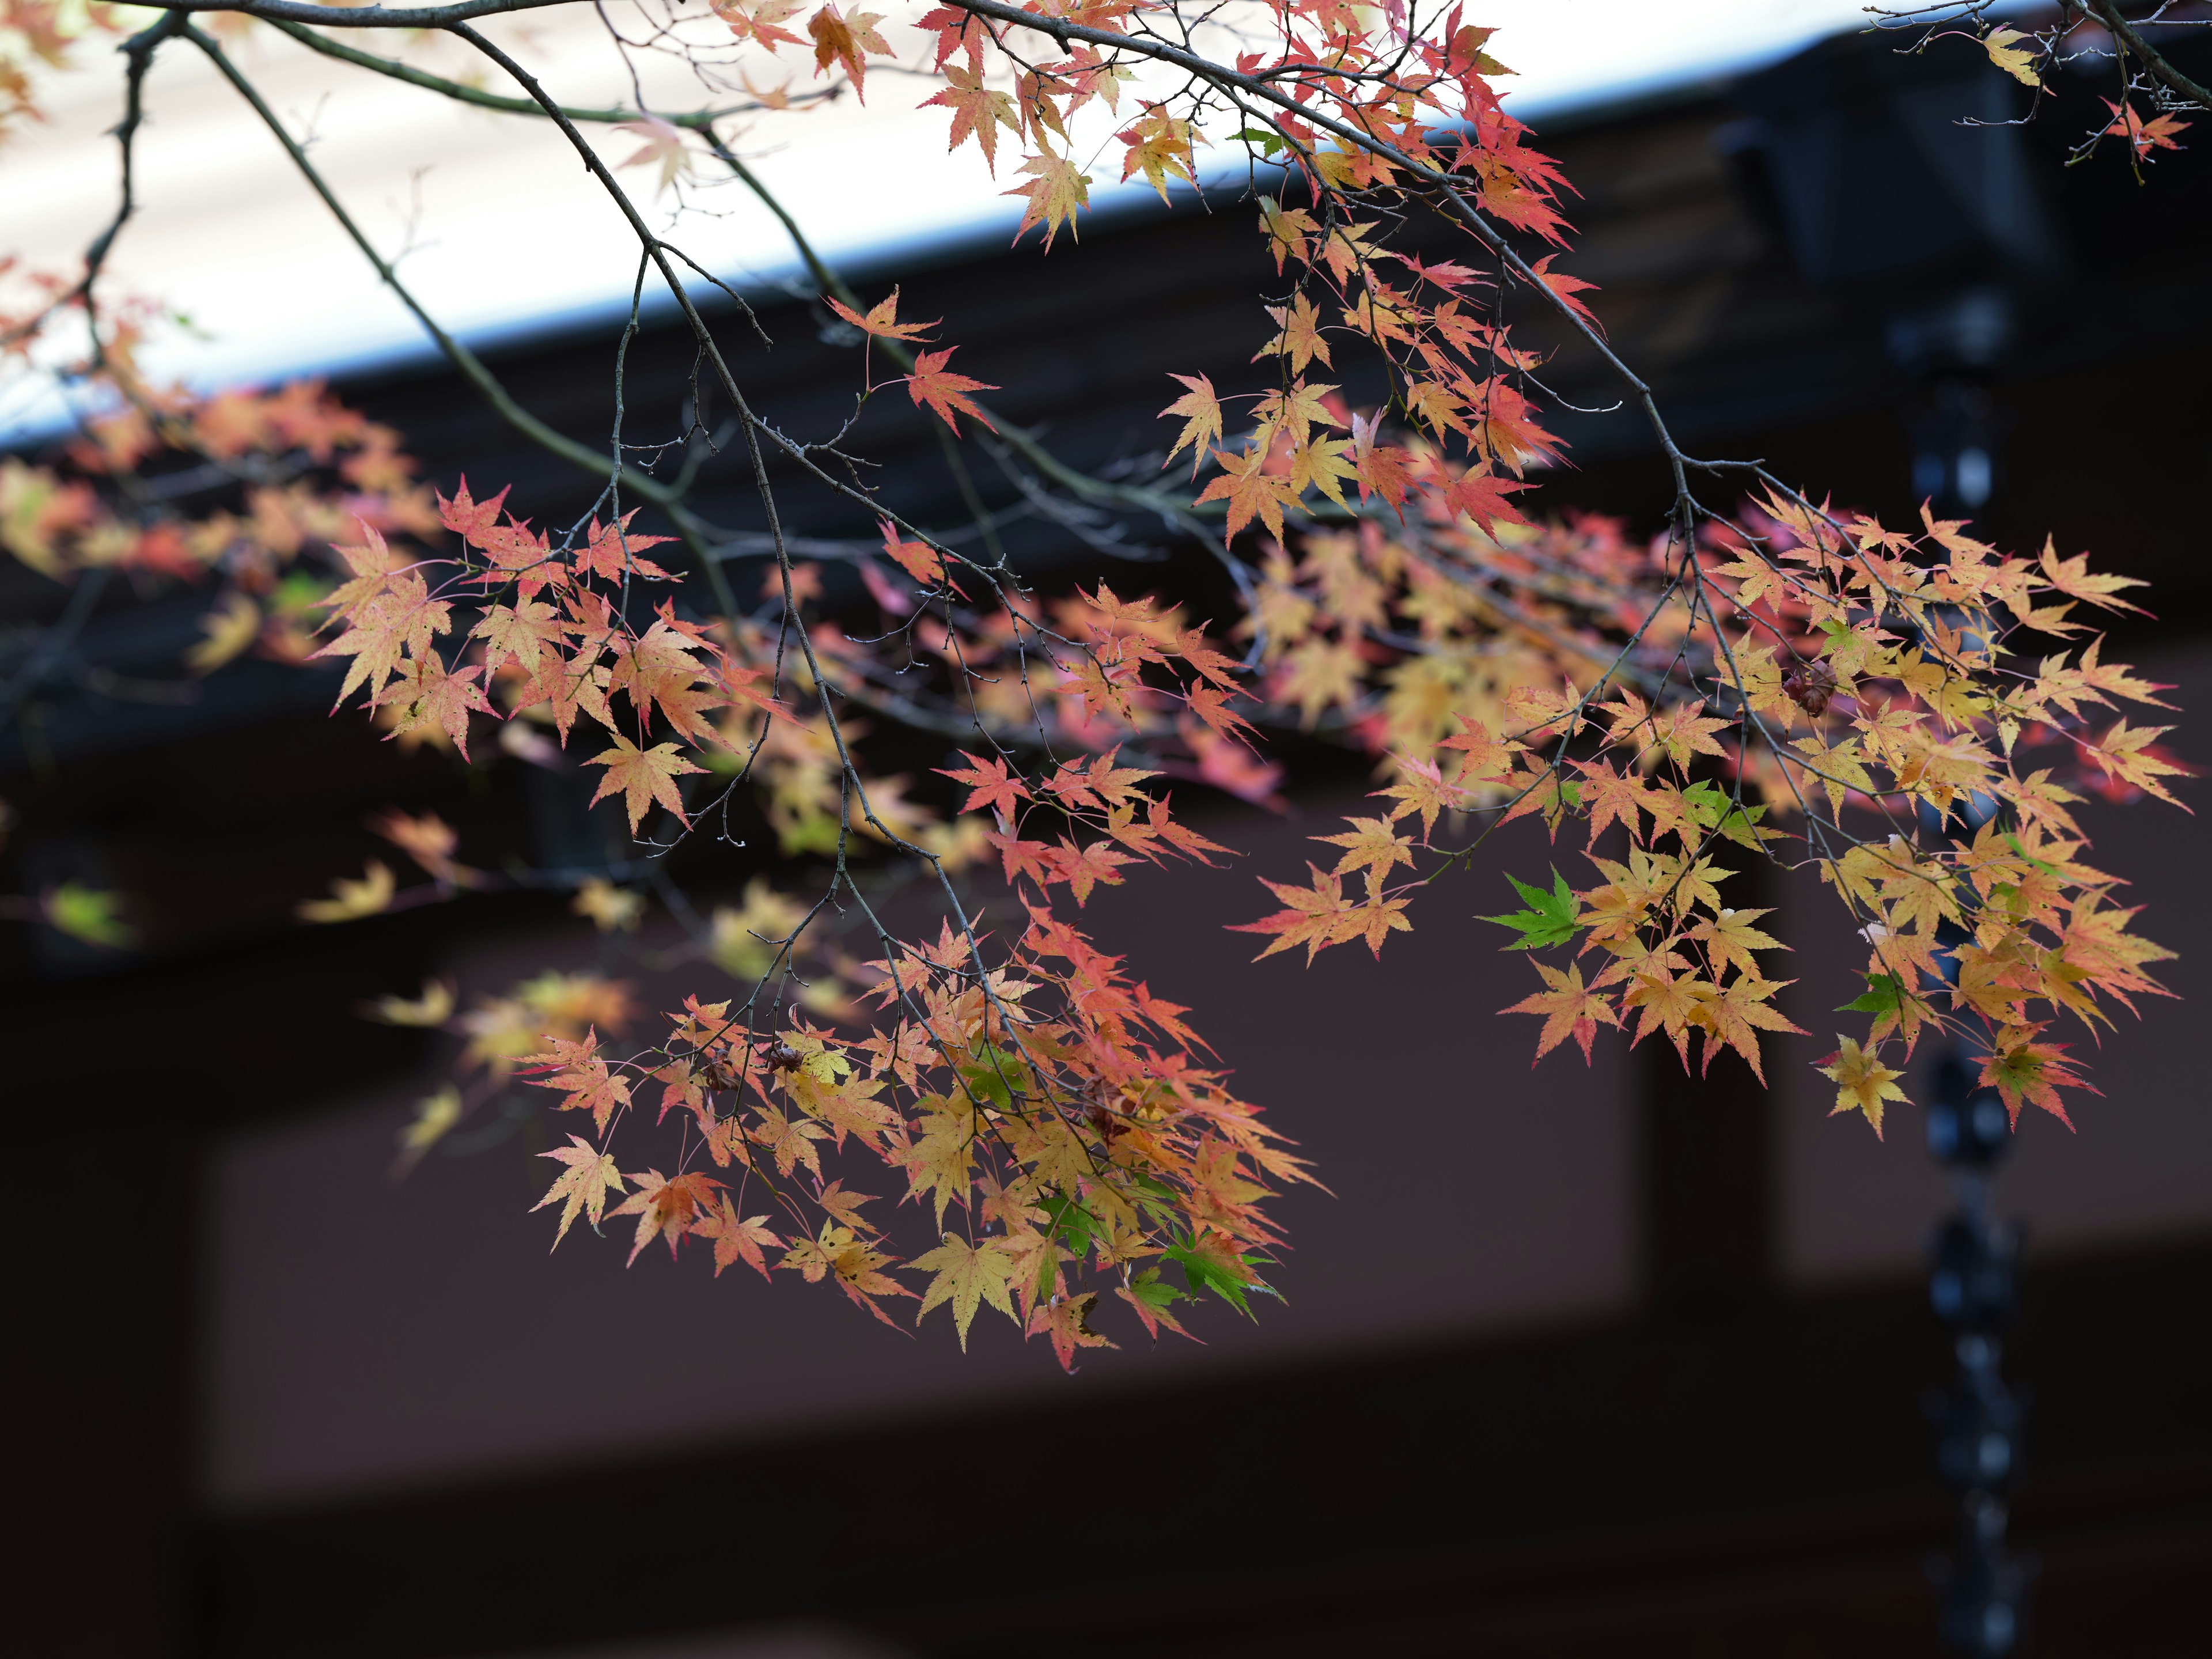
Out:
{"x": 1908, "y": 711}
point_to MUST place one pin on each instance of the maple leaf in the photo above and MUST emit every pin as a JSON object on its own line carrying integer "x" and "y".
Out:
{"x": 590, "y": 1085}
{"x": 610, "y": 551}
{"x": 1730, "y": 1016}
{"x": 1159, "y": 145}
{"x": 1320, "y": 673}
{"x": 1611, "y": 795}
{"x": 1298, "y": 335}
{"x": 2071, "y": 577}
{"x": 662, "y": 147}
{"x": 936, "y": 386}
{"x": 1201, "y": 413}
{"x": 1569, "y": 1008}
{"x": 428, "y": 695}
{"x": 737, "y": 1240}
{"x": 1066, "y": 1320}
{"x": 351, "y": 900}
{"x": 1670, "y": 1001}
{"x": 1055, "y": 196}
{"x": 1316, "y": 917}
{"x": 978, "y": 111}
{"x": 844, "y": 1207}
{"x": 643, "y": 776}
{"x": 1380, "y": 468}
{"x": 435, "y": 1006}
{"x": 1729, "y": 937}
{"x": 475, "y": 522}
{"x": 609, "y": 907}
{"x": 1862, "y": 1082}
{"x": 1370, "y": 845}
{"x": 1249, "y": 489}
{"x": 394, "y": 616}
{"x": 520, "y": 633}
{"x": 918, "y": 559}
{"x": 856, "y": 1265}
{"x": 226, "y": 630}
{"x": 759, "y": 19}
{"x": 991, "y": 787}
{"x": 2125, "y": 754}
{"x": 2157, "y": 133}
{"x": 429, "y": 840}
{"x": 2005, "y": 51}
{"x": 1485, "y": 754}
{"x": 968, "y": 1276}
{"x": 842, "y": 39}
{"x": 1348, "y": 247}
{"x": 1421, "y": 788}
{"x": 2026, "y": 1072}
{"x": 1152, "y": 1298}
{"x": 584, "y": 1185}
{"x": 91, "y": 913}
{"x": 665, "y": 1208}
{"x": 657, "y": 670}
{"x": 1094, "y": 865}
{"x": 436, "y": 1115}
{"x": 1481, "y": 496}
{"x": 881, "y": 319}
{"x": 1564, "y": 288}
{"x": 1551, "y": 918}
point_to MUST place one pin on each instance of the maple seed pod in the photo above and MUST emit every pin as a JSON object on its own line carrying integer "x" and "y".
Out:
{"x": 1809, "y": 685}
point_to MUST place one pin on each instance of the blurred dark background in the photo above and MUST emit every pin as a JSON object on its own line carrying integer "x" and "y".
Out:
{"x": 1573, "y": 1363}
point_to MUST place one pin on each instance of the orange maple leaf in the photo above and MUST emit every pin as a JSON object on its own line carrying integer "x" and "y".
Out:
{"x": 1067, "y": 1320}
{"x": 937, "y": 386}
{"x": 428, "y": 695}
{"x": 882, "y": 319}
{"x": 918, "y": 559}
{"x": 665, "y": 1208}
{"x": 736, "y": 1239}
{"x": 758, "y": 19}
{"x": 610, "y": 551}
{"x": 991, "y": 787}
{"x": 644, "y": 776}
{"x": 978, "y": 111}
{"x": 1250, "y": 490}
{"x": 1564, "y": 288}
{"x": 1569, "y": 1009}
{"x": 590, "y": 1085}
{"x": 843, "y": 39}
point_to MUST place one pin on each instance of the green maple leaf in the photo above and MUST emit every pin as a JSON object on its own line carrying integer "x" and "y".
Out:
{"x": 1549, "y": 920}
{"x": 1883, "y": 994}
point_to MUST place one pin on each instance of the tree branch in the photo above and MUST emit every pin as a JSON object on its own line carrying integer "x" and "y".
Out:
{"x": 461, "y": 92}
{"x": 2109, "y": 15}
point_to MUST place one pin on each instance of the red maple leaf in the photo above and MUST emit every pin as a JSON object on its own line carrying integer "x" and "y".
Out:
{"x": 933, "y": 385}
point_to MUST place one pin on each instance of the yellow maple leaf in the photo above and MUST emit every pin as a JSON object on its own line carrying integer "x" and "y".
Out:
{"x": 2016, "y": 60}
{"x": 968, "y": 1275}
{"x": 1862, "y": 1082}
{"x": 351, "y": 900}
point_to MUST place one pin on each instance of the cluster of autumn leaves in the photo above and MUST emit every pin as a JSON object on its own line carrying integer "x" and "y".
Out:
{"x": 1791, "y": 682}
{"x": 1059, "y": 1104}
{"x": 1065, "y": 1107}
{"x": 1799, "y": 683}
